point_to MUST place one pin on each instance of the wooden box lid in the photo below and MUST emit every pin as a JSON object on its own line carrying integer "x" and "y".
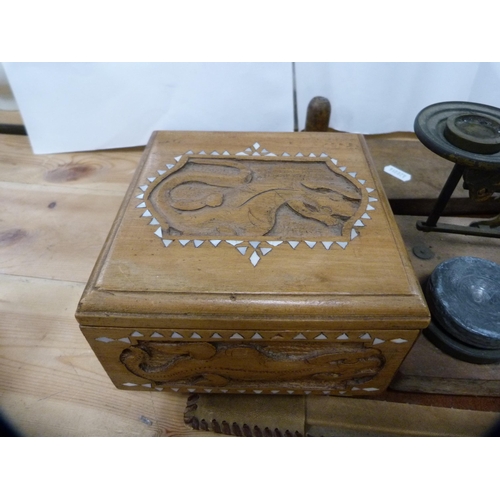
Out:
{"x": 280, "y": 231}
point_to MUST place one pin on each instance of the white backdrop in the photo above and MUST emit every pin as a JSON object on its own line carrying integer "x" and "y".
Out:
{"x": 376, "y": 98}
{"x": 86, "y": 106}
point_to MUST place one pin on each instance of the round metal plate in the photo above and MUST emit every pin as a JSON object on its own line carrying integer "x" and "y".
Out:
{"x": 439, "y": 123}
{"x": 463, "y": 295}
{"x": 473, "y": 132}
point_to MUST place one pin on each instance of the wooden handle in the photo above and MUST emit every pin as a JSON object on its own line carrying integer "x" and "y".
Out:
{"x": 318, "y": 115}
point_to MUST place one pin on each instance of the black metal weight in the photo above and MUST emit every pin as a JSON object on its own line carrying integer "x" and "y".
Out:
{"x": 463, "y": 295}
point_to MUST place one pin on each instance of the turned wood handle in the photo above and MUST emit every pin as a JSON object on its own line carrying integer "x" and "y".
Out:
{"x": 318, "y": 115}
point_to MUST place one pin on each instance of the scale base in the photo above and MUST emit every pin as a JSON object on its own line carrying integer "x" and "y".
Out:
{"x": 457, "y": 229}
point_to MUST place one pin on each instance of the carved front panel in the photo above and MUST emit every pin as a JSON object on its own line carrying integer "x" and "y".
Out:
{"x": 265, "y": 362}
{"x": 256, "y": 365}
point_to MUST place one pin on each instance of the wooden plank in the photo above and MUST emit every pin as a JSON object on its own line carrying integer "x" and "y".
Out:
{"x": 11, "y": 117}
{"x": 51, "y": 383}
{"x": 426, "y": 368}
{"x": 429, "y": 173}
{"x": 364, "y": 418}
{"x": 58, "y": 209}
{"x": 53, "y": 232}
{"x": 252, "y": 415}
{"x": 393, "y": 136}
{"x": 444, "y": 246}
{"x": 415, "y": 159}
{"x": 109, "y": 171}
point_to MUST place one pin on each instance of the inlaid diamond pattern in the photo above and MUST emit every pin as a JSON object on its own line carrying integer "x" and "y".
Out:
{"x": 259, "y": 251}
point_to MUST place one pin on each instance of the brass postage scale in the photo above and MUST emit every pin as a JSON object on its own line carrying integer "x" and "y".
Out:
{"x": 260, "y": 263}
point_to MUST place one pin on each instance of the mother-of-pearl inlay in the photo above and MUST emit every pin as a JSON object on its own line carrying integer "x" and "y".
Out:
{"x": 259, "y": 248}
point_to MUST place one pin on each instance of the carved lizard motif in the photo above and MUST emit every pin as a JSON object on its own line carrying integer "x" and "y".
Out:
{"x": 219, "y": 364}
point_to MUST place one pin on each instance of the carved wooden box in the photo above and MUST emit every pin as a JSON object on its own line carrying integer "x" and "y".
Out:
{"x": 253, "y": 263}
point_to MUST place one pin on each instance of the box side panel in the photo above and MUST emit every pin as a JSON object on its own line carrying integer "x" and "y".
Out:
{"x": 396, "y": 233}
{"x": 350, "y": 363}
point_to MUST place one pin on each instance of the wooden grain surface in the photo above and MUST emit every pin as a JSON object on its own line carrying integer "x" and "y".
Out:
{"x": 50, "y": 382}
{"x": 56, "y": 212}
{"x": 11, "y": 117}
{"x": 429, "y": 173}
{"x": 306, "y": 284}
